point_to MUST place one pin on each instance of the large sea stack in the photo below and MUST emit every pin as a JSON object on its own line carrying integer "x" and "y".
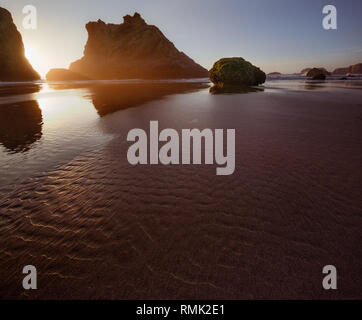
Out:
{"x": 133, "y": 49}
{"x": 13, "y": 64}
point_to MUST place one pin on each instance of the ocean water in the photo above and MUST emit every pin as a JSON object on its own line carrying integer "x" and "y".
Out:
{"x": 96, "y": 227}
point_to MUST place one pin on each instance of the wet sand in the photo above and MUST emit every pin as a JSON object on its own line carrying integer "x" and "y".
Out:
{"x": 96, "y": 227}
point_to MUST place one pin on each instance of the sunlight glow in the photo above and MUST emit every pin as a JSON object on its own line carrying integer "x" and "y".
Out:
{"x": 38, "y": 61}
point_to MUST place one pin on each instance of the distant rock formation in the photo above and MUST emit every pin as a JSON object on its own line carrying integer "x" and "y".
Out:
{"x": 236, "y": 71}
{"x": 63, "y": 75}
{"x": 305, "y": 71}
{"x": 13, "y": 64}
{"x": 131, "y": 50}
{"x": 317, "y": 74}
{"x": 355, "y": 69}
{"x": 343, "y": 71}
{"x": 274, "y": 74}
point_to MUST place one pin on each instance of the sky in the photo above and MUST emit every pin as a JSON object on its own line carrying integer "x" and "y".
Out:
{"x": 276, "y": 35}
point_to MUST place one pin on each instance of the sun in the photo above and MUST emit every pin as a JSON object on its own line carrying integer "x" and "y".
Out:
{"x": 38, "y": 62}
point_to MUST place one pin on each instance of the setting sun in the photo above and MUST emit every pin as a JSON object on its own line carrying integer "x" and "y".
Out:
{"x": 39, "y": 62}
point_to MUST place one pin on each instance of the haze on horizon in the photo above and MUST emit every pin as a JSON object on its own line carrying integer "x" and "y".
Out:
{"x": 278, "y": 35}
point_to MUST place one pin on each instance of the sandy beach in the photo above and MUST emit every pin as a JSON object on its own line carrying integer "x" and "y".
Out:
{"x": 97, "y": 227}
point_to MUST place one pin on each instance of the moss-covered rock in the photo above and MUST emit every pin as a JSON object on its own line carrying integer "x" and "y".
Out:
{"x": 319, "y": 76}
{"x": 316, "y": 72}
{"x": 236, "y": 71}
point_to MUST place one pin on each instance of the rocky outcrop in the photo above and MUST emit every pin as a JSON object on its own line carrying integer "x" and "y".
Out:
{"x": 274, "y": 74}
{"x": 133, "y": 49}
{"x": 341, "y": 71}
{"x": 64, "y": 75}
{"x": 319, "y": 76}
{"x": 236, "y": 71}
{"x": 305, "y": 71}
{"x": 317, "y": 73}
{"x": 355, "y": 69}
{"x": 13, "y": 64}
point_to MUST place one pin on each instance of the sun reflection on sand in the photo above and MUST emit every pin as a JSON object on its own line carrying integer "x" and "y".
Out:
{"x": 63, "y": 109}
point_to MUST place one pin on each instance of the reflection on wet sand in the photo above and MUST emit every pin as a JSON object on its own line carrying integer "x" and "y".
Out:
{"x": 315, "y": 85}
{"x": 111, "y": 97}
{"x": 230, "y": 89}
{"x": 77, "y": 210}
{"x": 20, "y": 122}
{"x": 20, "y": 125}
{"x": 15, "y": 89}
